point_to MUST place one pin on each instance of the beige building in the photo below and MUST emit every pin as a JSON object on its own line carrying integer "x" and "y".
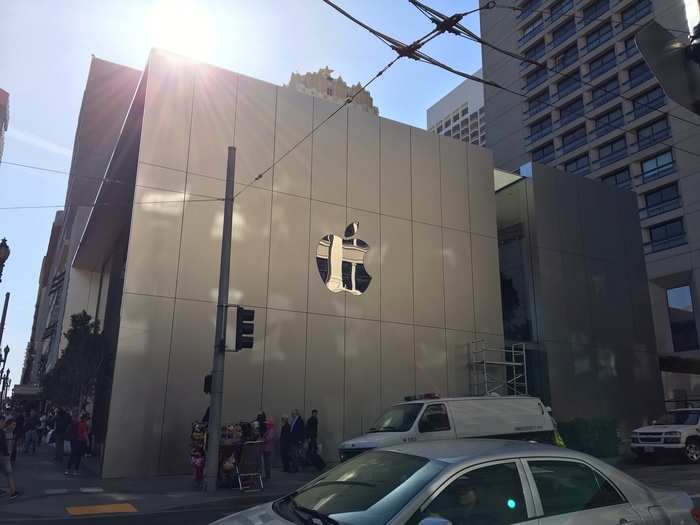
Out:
{"x": 426, "y": 209}
{"x": 321, "y": 84}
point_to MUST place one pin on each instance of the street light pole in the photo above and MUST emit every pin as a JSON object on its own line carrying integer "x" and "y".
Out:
{"x": 217, "y": 373}
{"x": 4, "y": 314}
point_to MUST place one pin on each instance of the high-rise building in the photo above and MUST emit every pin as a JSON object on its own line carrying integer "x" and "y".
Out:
{"x": 597, "y": 111}
{"x": 4, "y": 117}
{"x": 460, "y": 113}
{"x": 321, "y": 84}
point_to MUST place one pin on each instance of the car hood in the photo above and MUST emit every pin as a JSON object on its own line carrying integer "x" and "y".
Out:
{"x": 254, "y": 516}
{"x": 373, "y": 440}
{"x": 662, "y": 428}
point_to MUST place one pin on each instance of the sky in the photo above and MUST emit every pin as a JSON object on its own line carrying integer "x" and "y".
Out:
{"x": 45, "y": 54}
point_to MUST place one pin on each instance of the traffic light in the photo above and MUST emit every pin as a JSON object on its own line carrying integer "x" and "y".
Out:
{"x": 244, "y": 328}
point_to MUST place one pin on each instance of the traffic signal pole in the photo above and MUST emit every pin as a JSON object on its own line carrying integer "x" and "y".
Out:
{"x": 217, "y": 380}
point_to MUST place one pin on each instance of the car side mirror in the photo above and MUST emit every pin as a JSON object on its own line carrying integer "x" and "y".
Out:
{"x": 434, "y": 521}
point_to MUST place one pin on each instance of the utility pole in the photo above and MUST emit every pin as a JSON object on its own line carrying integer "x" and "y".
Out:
{"x": 4, "y": 314}
{"x": 217, "y": 380}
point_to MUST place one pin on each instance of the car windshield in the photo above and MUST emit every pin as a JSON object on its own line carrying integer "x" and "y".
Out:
{"x": 370, "y": 488}
{"x": 682, "y": 417}
{"x": 398, "y": 418}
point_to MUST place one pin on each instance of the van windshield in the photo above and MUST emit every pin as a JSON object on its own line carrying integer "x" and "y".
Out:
{"x": 398, "y": 418}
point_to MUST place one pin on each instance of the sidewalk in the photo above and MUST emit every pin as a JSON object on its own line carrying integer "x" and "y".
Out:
{"x": 48, "y": 493}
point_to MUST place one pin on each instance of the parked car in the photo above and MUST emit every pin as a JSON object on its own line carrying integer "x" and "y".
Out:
{"x": 473, "y": 482}
{"x": 678, "y": 431}
{"x": 432, "y": 418}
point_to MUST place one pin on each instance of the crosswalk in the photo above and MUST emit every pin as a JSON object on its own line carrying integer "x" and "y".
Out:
{"x": 83, "y": 490}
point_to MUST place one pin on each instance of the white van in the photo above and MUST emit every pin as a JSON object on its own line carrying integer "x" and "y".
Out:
{"x": 428, "y": 418}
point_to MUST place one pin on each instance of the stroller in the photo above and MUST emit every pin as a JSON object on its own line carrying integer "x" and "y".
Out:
{"x": 248, "y": 472}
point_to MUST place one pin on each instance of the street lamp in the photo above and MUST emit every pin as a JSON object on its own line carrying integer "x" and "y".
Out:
{"x": 4, "y": 255}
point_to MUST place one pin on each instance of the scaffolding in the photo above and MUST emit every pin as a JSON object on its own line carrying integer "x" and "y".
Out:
{"x": 498, "y": 370}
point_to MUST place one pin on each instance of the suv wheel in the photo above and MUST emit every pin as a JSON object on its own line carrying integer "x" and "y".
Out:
{"x": 692, "y": 451}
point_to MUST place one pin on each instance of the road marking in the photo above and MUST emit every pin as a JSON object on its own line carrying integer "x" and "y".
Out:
{"x": 56, "y": 491}
{"x": 91, "y": 490}
{"x": 112, "y": 508}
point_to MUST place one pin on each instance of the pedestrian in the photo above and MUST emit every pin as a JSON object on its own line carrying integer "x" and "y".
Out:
{"x": 312, "y": 452}
{"x": 298, "y": 436}
{"x": 43, "y": 429}
{"x": 78, "y": 434}
{"x": 61, "y": 424}
{"x": 285, "y": 443}
{"x": 7, "y": 427}
{"x": 18, "y": 441}
{"x": 268, "y": 446}
{"x": 31, "y": 433}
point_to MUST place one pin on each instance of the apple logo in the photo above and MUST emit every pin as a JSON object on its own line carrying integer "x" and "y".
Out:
{"x": 341, "y": 262}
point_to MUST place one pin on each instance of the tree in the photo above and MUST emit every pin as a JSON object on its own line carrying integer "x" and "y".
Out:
{"x": 73, "y": 377}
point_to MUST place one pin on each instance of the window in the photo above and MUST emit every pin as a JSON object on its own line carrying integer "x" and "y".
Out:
{"x": 667, "y": 235}
{"x": 599, "y": 36}
{"x": 569, "y": 84}
{"x": 574, "y": 139}
{"x": 620, "y": 178}
{"x": 540, "y": 129}
{"x": 652, "y": 133}
{"x": 531, "y": 29}
{"x": 535, "y": 52}
{"x": 464, "y": 112}
{"x": 648, "y": 102}
{"x": 544, "y": 153}
{"x": 538, "y": 103}
{"x": 571, "y": 111}
{"x": 384, "y": 481}
{"x": 492, "y": 494}
{"x": 603, "y": 63}
{"x": 657, "y": 166}
{"x": 563, "y": 32}
{"x": 434, "y": 419}
{"x": 455, "y": 118}
{"x": 439, "y": 128}
{"x": 578, "y": 166}
{"x": 630, "y": 47}
{"x": 329, "y": 91}
{"x": 612, "y": 151}
{"x": 535, "y": 78}
{"x": 638, "y": 74}
{"x": 559, "y": 9}
{"x": 609, "y": 121}
{"x": 635, "y": 12}
{"x": 566, "y": 487}
{"x": 605, "y": 92}
{"x": 566, "y": 58}
{"x": 594, "y": 10}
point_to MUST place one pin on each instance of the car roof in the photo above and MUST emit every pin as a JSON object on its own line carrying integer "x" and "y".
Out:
{"x": 473, "y": 449}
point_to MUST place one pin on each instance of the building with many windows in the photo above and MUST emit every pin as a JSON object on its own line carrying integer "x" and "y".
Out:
{"x": 4, "y": 117}
{"x": 460, "y": 113}
{"x": 597, "y": 111}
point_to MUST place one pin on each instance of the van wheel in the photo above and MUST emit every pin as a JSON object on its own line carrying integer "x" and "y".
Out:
{"x": 692, "y": 451}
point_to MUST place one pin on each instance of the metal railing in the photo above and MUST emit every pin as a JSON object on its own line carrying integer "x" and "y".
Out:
{"x": 572, "y": 145}
{"x": 608, "y": 127}
{"x": 662, "y": 207}
{"x": 592, "y": 16}
{"x": 647, "y": 107}
{"x": 611, "y": 157}
{"x": 637, "y": 80}
{"x": 665, "y": 244}
{"x": 601, "y": 69}
{"x": 530, "y": 9}
{"x": 607, "y": 96}
{"x": 652, "y": 139}
{"x": 566, "y": 90}
{"x": 599, "y": 40}
{"x": 658, "y": 172}
{"x": 532, "y": 33}
{"x": 556, "y": 14}
{"x": 638, "y": 15}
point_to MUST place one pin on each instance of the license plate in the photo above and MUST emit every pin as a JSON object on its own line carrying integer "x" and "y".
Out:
{"x": 649, "y": 449}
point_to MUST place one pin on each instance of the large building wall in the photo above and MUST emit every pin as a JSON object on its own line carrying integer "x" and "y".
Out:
{"x": 425, "y": 205}
{"x": 587, "y": 300}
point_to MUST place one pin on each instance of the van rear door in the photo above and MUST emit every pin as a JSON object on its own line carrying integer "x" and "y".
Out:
{"x": 435, "y": 423}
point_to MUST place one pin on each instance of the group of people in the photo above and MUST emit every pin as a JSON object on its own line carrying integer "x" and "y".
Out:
{"x": 299, "y": 442}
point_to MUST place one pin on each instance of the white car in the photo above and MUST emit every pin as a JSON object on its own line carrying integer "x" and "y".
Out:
{"x": 473, "y": 482}
{"x": 678, "y": 431}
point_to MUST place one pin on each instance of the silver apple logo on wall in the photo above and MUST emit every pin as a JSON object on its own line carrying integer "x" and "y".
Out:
{"x": 341, "y": 262}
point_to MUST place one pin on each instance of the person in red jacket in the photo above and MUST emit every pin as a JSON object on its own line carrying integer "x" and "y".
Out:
{"x": 78, "y": 433}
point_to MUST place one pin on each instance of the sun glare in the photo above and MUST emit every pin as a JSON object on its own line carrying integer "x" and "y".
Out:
{"x": 181, "y": 26}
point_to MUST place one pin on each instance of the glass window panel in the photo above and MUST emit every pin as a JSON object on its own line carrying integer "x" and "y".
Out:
{"x": 682, "y": 318}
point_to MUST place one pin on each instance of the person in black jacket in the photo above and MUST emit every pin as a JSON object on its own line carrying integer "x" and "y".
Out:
{"x": 312, "y": 432}
{"x": 298, "y": 436}
{"x": 285, "y": 444}
{"x": 60, "y": 428}
{"x": 7, "y": 427}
